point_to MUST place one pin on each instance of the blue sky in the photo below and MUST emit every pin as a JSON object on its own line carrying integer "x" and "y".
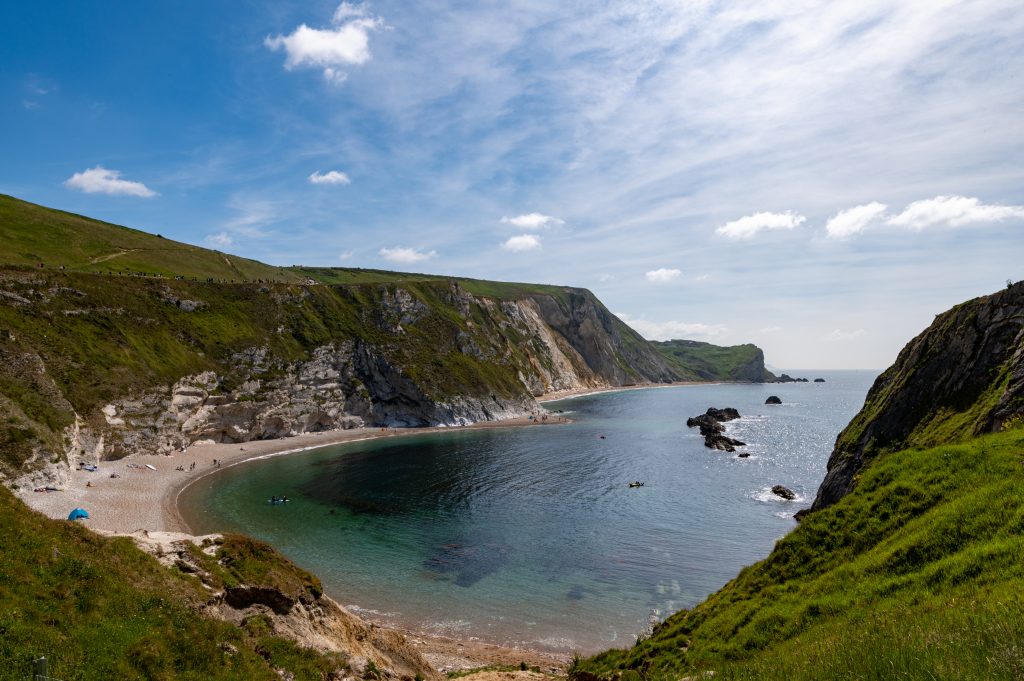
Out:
{"x": 818, "y": 178}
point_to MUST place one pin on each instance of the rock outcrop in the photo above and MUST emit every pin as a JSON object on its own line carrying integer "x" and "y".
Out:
{"x": 773, "y": 399}
{"x": 176, "y": 362}
{"x": 784, "y": 492}
{"x": 710, "y": 424}
{"x": 297, "y": 612}
{"x": 964, "y": 375}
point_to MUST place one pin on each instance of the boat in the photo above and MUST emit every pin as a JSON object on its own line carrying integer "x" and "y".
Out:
{"x": 636, "y": 484}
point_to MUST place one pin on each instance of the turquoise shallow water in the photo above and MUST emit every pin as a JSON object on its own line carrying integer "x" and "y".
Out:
{"x": 531, "y": 536}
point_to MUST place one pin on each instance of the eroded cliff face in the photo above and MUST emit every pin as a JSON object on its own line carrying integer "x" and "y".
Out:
{"x": 312, "y": 358}
{"x": 964, "y": 375}
{"x": 287, "y": 608}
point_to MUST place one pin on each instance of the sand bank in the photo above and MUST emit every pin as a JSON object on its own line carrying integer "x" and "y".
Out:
{"x": 144, "y": 499}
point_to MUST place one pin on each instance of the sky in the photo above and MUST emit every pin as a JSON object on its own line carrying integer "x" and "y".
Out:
{"x": 818, "y": 178}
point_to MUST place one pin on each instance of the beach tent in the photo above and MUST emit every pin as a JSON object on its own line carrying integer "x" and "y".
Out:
{"x": 78, "y": 514}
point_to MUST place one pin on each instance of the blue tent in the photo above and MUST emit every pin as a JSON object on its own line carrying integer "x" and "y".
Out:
{"x": 78, "y": 514}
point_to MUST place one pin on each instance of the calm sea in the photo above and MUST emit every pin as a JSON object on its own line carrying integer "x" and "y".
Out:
{"x": 531, "y": 536}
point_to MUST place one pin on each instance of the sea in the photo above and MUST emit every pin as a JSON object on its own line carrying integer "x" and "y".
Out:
{"x": 531, "y": 536}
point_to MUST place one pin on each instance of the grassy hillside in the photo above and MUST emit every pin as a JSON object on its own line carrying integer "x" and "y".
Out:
{"x": 114, "y": 312}
{"x": 917, "y": 574}
{"x": 105, "y": 337}
{"x": 707, "y": 362}
{"x": 32, "y": 234}
{"x": 99, "y": 608}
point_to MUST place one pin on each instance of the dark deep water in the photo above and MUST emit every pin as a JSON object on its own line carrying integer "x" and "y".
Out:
{"x": 531, "y": 536}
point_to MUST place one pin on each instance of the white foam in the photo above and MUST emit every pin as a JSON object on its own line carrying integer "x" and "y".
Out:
{"x": 766, "y": 496}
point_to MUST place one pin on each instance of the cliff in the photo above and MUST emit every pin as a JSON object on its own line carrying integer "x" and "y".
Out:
{"x": 962, "y": 376}
{"x": 909, "y": 566}
{"x": 104, "y": 366}
{"x": 115, "y": 341}
{"x": 707, "y": 362}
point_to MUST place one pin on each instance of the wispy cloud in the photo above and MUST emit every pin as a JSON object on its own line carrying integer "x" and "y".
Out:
{"x": 345, "y": 256}
{"x": 940, "y": 211}
{"x": 845, "y": 335}
{"x": 330, "y": 177}
{"x": 663, "y": 275}
{"x": 671, "y": 330}
{"x": 100, "y": 180}
{"x": 748, "y": 226}
{"x": 406, "y": 256}
{"x": 250, "y": 216}
{"x": 345, "y": 43}
{"x": 533, "y": 221}
{"x": 523, "y": 242}
{"x": 220, "y": 240}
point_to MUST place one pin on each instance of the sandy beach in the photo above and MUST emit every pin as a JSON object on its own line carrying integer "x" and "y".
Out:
{"x": 141, "y": 498}
{"x": 145, "y": 499}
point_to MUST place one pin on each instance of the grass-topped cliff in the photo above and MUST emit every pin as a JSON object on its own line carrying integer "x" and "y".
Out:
{"x": 179, "y": 343}
{"x": 707, "y": 362}
{"x": 914, "y": 571}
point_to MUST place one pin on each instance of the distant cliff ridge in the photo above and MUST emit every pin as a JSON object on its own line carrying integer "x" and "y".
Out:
{"x": 706, "y": 362}
{"x": 113, "y": 341}
{"x": 963, "y": 376}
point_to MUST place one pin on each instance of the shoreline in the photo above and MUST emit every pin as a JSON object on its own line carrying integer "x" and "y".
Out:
{"x": 144, "y": 499}
{"x": 572, "y": 394}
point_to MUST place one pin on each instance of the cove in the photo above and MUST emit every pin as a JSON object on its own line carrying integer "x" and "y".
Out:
{"x": 530, "y": 536}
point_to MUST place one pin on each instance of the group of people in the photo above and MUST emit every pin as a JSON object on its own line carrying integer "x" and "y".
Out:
{"x": 191, "y": 467}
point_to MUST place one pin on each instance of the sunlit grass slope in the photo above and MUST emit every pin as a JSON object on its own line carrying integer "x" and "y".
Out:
{"x": 99, "y": 608}
{"x": 32, "y": 234}
{"x": 917, "y": 574}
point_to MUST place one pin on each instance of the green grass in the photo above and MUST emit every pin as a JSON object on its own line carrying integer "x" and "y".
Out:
{"x": 707, "y": 362}
{"x": 77, "y": 338}
{"x": 917, "y": 574}
{"x": 32, "y": 234}
{"x": 98, "y": 608}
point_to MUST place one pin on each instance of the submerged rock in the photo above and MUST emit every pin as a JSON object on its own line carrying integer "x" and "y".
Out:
{"x": 773, "y": 399}
{"x": 819, "y": 380}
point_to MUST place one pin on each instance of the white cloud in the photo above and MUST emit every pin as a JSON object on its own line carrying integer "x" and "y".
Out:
{"x": 843, "y": 335}
{"x": 523, "y": 242}
{"x": 670, "y": 330}
{"x": 330, "y": 177}
{"x": 345, "y": 256}
{"x": 749, "y": 225}
{"x": 220, "y": 240}
{"x": 99, "y": 180}
{"x": 854, "y": 220}
{"x": 346, "y": 43}
{"x": 406, "y": 255}
{"x": 663, "y": 275}
{"x": 770, "y": 329}
{"x": 533, "y": 221}
{"x": 952, "y": 211}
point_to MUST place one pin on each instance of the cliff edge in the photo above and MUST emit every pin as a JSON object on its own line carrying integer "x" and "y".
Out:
{"x": 962, "y": 376}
